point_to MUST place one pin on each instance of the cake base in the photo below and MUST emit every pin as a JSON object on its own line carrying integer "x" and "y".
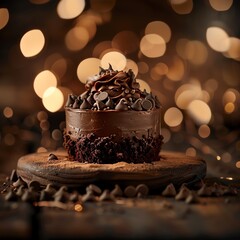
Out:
{"x": 173, "y": 167}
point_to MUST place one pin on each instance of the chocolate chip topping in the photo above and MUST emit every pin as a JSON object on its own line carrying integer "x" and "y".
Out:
{"x": 106, "y": 90}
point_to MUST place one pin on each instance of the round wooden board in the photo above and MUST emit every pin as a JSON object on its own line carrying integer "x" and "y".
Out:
{"x": 173, "y": 167}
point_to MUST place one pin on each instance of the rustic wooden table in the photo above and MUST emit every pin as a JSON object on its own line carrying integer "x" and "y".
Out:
{"x": 153, "y": 216}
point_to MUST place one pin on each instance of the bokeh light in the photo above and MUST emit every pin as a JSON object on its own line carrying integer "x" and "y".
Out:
{"x": 221, "y": 5}
{"x": 173, "y": 117}
{"x": 143, "y": 85}
{"x": 4, "y": 17}
{"x": 116, "y": 59}
{"x": 32, "y": 43}
{"x": 43, "y": 81}
{"x": 152, "y": 45}
{"x": 88, "y": 68}
{"x": 68, "y": 9}
{"x": 53, "y": 99}
{"x": 217, "y": 39}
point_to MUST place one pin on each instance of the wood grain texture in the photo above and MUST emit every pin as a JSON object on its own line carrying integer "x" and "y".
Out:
{"x": 173, "y": 167}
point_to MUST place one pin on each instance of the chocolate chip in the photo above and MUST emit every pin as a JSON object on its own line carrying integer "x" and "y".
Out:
{"x": 70, "y": 100}
{"x": 183, "y": 193}
{"x": 204, "y": 191}
{"x": 106, "y": 196}
{"x": 146, "y": 104}
{"x": 110, "y": 103}
{"x": 19, "y": 182}
{"x": 76, "y": 104}
{"x": 142, "y": 189}
{"x": 20, "y": 190}
{"x": 169, "y": 191}
{"x": 11, "y": 196}
{"x": 52, "y": 156}
{"x": 100, "y": 105}
{"x": 28, "y": 196}
{"x": 74, "y": 197}
{"x": 35, "y": 185}
{"x": 117, "y": 191}
{"x": 122, "y": 105}
{"x": 45, "y": 196}
{"x": 137, "y": 106}
{"x": 89, "y": 197}
{"x": 85, "y": 105}
{"x": 94, "y": 189}
{"x": 84, "y": 95}
{"x": 13, "y": 176}
{"x": 192, "y": 198}
{"x": 130, "y": 191}
{"x": 50, "y": 189}
{"x": 102, "y": 96}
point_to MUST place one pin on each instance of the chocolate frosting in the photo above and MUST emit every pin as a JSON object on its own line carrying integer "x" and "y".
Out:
{"x": 112, "y": 89}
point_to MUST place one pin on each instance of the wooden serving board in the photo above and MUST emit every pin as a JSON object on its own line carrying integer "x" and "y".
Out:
{"x": 173, "y": 167}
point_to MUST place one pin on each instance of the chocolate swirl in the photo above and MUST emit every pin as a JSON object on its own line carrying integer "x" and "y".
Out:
{"x": 112, "y": 89}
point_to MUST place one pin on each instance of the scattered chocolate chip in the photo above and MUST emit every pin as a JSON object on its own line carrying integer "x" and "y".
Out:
{"x": 191, "y": 198}
{"x": 204, "y": 191}
{"x": 19, "y": 182}
{"x": 45, "y": 196}
{"x": 11, "y": 196}
{"x": 61, "y": 195}
{"x": 52, "y": 156}
{"x": 94, "y": 189}
{"x": 13, "y": 176}
{"x": 146, "y": 104}
{"x": 28, "y": 196}
{"x": 35, "y": 185}
{"x": 70, "y": 100}
{"x": 74, "y": 197}
{"x": 117, "y": 191}
{"x": 169, "y": 191}
{"x": 50, "y": 189}
{"x": 142, "y": 189}
{"x": 130, "y": 191}
{"x": 183, "y": 193}
{"x": 106, "y": 196}
{"x": 20, "y": 191}
{"x": 89, "y": 197}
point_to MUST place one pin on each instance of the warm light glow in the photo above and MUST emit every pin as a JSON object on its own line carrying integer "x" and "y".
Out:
{"x": 204, "y": 131}
{"x": 144, "y": 85}
{"x": 76, "y": 38}
{"x": 7, "y": 112}
{"x": 32, "y": 43}
{"x": 182, "y": 6}
{"x": 152, "y": 45}
{"x": 87, "y": 68}
{"x": 176, "y": 69}
{"x": 53, "y": 99}
{"x": 4, "y": 17}
{"x": 143, "y": 67}
{"x": 103, "y": 6}
{"x": 68, "y": 9}
{"x": 218, "y": 158}
{"x": 221, "y": 5}
{"x": 43, "y": 81}
{"x": 186, "y": 93}
{"x": 238, "y": 164}
{"x": 173, "y": 117}
{"x": 196, "y": 52}
{"x": 229, "y": 107}
{"x": 199, "y": 111}
{"x": 116, "y": 59}
{"x": 191, "y": 152}
{"x": 160, "y": 28}
{"x": 234, "y": 49}
{"x": 226, "y": 157}
{"x": 217, "y": 39}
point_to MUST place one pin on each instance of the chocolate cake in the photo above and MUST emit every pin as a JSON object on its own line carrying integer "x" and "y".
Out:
{"x": 113, "y": 121}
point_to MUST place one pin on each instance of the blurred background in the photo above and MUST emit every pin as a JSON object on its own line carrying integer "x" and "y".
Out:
{"x": 187, "y": 52}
